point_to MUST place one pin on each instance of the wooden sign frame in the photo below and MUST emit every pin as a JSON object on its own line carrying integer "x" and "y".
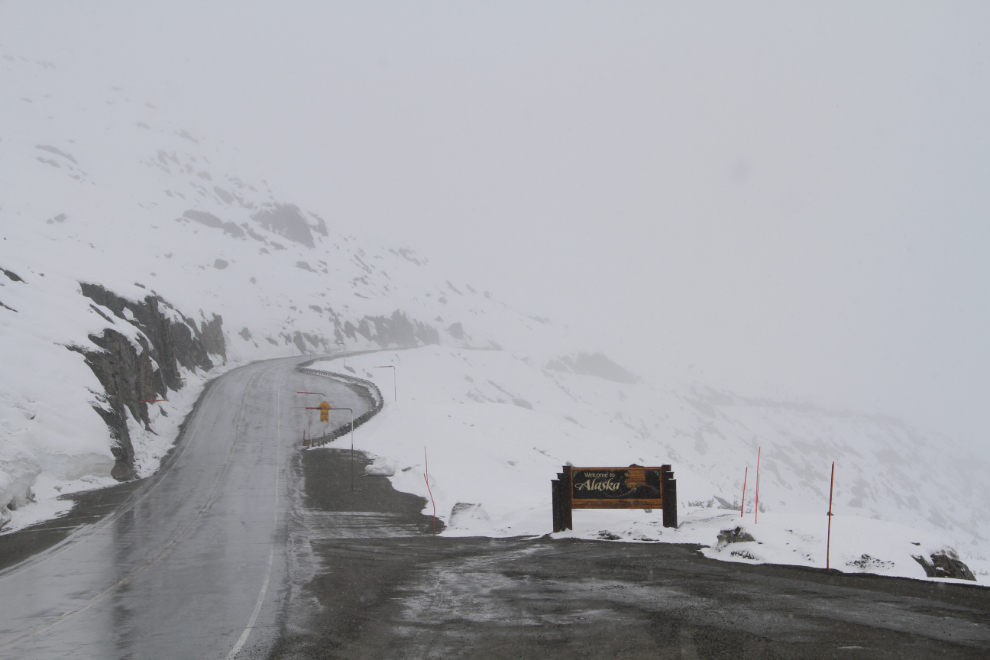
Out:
{"x": 632, "y": 487}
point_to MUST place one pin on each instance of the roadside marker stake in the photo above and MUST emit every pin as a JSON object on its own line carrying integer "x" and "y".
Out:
{"x": 828, "y": 542}
{"x": 757, "y": 514}
{"x": 743, "y": 505}
{"x": 427, "y": 477}
{"x": 395, "y": 392}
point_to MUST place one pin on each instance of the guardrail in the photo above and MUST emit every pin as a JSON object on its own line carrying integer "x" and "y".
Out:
{"x": 376, "y": 395}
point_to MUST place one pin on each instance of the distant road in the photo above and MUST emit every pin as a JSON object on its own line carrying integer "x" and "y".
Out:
{"x": 192, "y": 560}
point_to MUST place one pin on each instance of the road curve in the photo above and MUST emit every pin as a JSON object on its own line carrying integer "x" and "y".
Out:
{"x": 189, "y": 565}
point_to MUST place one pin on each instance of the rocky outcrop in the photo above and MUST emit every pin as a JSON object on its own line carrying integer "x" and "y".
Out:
{"x": 596, "y": 364}
{"x": 945, "y": 564}
{"x": 736, "y": 535}
{"x": 287, "y": 221}
{"x": 396, "y": 330}
{"x": 134, "y": 371}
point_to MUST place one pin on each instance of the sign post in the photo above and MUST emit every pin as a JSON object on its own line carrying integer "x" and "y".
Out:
{"x": 324, "y": 409}
{"x": 633, "y": 487}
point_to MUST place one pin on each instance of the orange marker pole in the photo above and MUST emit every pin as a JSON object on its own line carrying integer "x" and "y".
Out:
{"x": 743, "y": 505}
{"x": 756, "y": 515}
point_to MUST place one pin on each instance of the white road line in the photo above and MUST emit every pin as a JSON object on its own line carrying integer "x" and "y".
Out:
{"x": 271, "y": 554}
{"x": 257, "y": 609}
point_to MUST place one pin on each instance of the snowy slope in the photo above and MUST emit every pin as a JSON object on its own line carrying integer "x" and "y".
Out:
{"x": 498, "y": 427}
{"x": 100, "y": 188}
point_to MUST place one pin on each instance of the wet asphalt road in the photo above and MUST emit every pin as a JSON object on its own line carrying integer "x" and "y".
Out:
{"x": 245, "y": 543}
{"x": 191, "y": 561}
{"x": 368, "y": 580}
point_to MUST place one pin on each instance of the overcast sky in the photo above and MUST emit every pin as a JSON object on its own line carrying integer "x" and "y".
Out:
{"x": 781, "y": 197}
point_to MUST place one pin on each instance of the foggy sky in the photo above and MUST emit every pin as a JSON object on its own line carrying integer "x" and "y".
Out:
{"x": 785, "y": 198}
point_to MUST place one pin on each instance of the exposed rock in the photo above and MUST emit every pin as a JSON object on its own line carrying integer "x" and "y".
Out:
{"x": 593, "y": 365}
{"x": 867, "y": 563}
{"x": 59, "y": 152}
{"x": 211, "y": 220}
{"x": 396, "y": 330}
{"x": 321, "y": 226}
{"x": 745, "y": 554}
{"x": 13, "y": 276}
{"x": 287, "y": 221}
{"x": 945, "y": 564}
{"x": 129, "y": 375}
{"x": 127, "y": 378}
{"x": 737, "y": 535}
{"x": 210, "y": 335}
{"x": 408, "y": 255}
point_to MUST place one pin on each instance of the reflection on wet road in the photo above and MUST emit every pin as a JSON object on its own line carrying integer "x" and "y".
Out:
{"x": 188, "y": 566}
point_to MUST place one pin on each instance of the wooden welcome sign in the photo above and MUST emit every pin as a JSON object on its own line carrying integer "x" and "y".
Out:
{"x": 633, "y": 487}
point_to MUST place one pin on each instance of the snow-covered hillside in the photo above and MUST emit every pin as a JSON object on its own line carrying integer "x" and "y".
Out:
{"x": 497, "y": 428}
{"x": 98, "y": 189}
{"x": 102, "y": 193}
